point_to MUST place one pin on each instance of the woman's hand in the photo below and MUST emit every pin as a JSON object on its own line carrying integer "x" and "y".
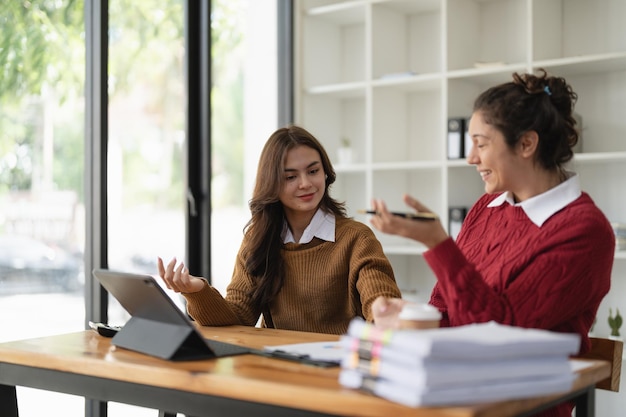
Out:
{"x": 178, "y": 278}
{"x": 429, "y": 232}
{"x": 386, "y": 311}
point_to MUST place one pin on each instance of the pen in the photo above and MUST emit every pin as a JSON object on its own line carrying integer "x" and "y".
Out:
{"x": 289, "y": 355}
{"x": 414, "y": 216}
{"x": 296, "y": 357}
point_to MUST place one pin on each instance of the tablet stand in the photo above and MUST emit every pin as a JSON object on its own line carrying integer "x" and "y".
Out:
{"x": 163, "y": 340}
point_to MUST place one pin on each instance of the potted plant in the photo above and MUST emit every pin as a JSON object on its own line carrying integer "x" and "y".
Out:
{"x": 615, "y": 323}
{"x": 344, "y": 153}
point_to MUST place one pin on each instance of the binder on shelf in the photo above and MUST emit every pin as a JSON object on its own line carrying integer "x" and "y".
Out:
{"x": 467, "y": 142}
{"x": 456, "y": 133}
{"x": 456, "y": 215}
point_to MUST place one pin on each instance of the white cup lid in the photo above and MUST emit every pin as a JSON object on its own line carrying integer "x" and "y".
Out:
{"x": 413, "y": 311}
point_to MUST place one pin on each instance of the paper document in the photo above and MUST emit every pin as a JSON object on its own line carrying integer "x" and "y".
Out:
{"x": 505, "y": 389}
{"x": 489, "y": 340}
{"x": 331, "y": 351}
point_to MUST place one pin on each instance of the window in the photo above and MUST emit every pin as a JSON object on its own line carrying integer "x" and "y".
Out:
{"x": 244, "y": 108}
{"x": 146, "y": 136}
{"x": 146, "y": 143}
{"x": 41, "y": 176}
{"x": 44, "y": 203}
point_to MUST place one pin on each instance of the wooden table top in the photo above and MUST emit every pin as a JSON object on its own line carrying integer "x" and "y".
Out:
{"x": 246, "y": 377}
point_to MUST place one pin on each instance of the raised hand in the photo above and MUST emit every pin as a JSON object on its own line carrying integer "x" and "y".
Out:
{"x": 177, "y": 278}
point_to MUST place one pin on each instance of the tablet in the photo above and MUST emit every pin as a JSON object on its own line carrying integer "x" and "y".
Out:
{"x": 157, "y": 325}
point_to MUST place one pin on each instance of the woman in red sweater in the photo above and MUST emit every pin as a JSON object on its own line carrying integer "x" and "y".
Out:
{"x": 534, "y": 251}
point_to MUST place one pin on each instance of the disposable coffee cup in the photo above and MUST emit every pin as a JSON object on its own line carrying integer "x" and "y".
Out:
{"x": 419, "y": 316}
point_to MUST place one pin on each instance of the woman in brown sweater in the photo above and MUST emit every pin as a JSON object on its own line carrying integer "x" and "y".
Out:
{"x": 303, "y": 264}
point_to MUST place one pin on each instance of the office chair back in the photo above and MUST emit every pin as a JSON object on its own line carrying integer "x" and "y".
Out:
{"x": 611, "y": 351}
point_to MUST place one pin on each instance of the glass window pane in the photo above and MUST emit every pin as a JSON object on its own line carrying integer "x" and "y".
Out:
{"x": 146, "y": 190}
{"x": 244, "y": 114}
{"x": 146, "y": 132}
{"x": 41, "y": 178}
{"x": 146, "y": 142}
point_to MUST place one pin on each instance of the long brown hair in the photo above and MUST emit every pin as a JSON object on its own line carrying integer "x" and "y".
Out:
{"x": 263, "y": 258}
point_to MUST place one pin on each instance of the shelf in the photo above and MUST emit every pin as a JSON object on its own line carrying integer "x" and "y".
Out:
{"x": 600, "y": 157}
{"x": 334, "y": 37}
{"x": 588, "y": 64}
{"x": 411, "y": 7}
{"x": 340, "y": 13}
{"x": 405, "y": 166}
{"x": 388, "y": 74}
{"x": 410, "y": 82}
{"x": 488, "y": 75}
{"x": 405, "y": 250}
{"x": 486, "y": 31}
{"x": 459, "y": 163}
{"x": 345, "y": 90}
{"x": 350, "y": 168}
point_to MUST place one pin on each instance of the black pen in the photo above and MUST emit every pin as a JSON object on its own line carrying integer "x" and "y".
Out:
{"x": 297, "y": 357}
{"x": 424, "y": 215}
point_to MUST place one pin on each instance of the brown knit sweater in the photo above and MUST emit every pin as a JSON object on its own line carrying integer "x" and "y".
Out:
{"x": 327, "y": 284}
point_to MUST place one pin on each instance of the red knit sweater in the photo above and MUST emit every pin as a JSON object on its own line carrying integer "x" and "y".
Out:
{"x": 505, "y": 268}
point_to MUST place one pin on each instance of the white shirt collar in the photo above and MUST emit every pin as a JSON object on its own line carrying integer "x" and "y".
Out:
{"x": 322, "y": 226}
{"x": 541, "y": 207}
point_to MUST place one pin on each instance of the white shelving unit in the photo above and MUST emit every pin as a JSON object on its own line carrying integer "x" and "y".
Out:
{"x": 388, "y": 74}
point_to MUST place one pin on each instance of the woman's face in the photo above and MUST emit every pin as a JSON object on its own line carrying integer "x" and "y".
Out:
{"x": 499, "y": 167}
{"x": 304, "y": 181}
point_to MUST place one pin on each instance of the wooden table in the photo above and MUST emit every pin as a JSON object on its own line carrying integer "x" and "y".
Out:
{"x": 87, "y": 365}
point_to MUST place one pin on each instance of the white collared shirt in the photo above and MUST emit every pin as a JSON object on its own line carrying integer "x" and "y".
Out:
{"x": 322, "y": 226}
{"x": 540, "y": 207}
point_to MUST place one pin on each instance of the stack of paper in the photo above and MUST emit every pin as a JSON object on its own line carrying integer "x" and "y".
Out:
{"x": 456, "y": 365}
